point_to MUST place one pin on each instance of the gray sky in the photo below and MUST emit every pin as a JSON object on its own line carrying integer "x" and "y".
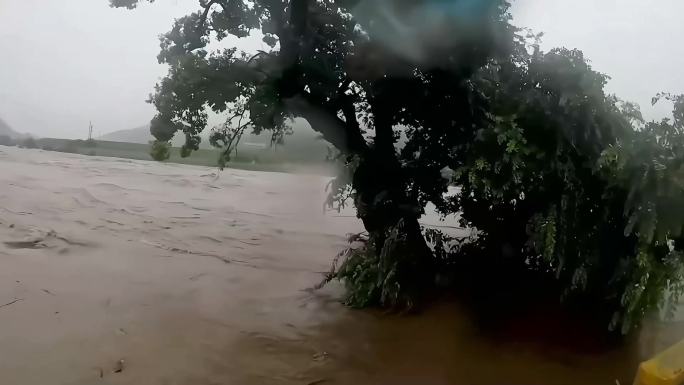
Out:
{"x": 65, "y": 62}
{"x": 638, "y": 43}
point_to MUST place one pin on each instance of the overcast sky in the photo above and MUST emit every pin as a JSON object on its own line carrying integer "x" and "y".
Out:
{"x": 65, "y": 62}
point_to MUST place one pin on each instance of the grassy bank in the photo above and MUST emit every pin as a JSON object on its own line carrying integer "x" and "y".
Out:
{"x": 279, "y": 158}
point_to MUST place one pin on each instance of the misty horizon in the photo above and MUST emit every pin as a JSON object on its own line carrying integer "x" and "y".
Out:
{"x": 101, "y": 68}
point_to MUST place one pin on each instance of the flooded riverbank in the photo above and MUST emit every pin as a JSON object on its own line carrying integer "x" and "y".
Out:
{"x": 193, "y": 277}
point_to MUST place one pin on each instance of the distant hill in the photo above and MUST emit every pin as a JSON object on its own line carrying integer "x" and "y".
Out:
{"x": 140, "y": 135}
{"x": 5, "y": 129}
{"x": 132, "y": 135}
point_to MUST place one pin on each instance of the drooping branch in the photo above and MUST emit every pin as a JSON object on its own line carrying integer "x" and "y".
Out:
{"x": 228, "y": 136}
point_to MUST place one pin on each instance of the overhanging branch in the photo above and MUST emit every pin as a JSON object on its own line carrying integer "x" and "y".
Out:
{"x": 324, "y": 121}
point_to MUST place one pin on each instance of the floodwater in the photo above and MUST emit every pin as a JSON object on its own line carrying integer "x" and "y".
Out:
{"x": 116, "y": 271}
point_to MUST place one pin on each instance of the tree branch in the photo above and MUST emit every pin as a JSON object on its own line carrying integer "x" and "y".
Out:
{"x": 326, "y": 122}
{"x": 207, "y": 8}
{"x": 317, "y": 110}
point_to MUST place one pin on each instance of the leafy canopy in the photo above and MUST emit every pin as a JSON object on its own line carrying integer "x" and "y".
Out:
{"x": 555, "y": 174}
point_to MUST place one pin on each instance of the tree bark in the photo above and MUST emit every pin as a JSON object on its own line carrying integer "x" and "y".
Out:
{"x": 388, "y": 214}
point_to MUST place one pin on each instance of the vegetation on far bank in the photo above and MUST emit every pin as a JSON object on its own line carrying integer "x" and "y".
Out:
{"x": 281, "y": 159}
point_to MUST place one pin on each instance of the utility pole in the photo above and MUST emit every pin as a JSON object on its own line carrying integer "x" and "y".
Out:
{"x": 90, "y": 131}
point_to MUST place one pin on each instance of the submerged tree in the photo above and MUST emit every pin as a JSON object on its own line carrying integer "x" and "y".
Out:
{"x": 557, "y": 176}
{"x": 357, "y": 71}
{"x": 160, "y": 151}
{"x": 568, "y": 181}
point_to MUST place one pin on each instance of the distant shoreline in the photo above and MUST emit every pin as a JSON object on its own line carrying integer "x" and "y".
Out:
{"x": 249, "y": 158}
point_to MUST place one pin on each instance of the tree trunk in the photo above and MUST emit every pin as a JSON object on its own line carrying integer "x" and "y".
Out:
{"x": 405, "y": 261}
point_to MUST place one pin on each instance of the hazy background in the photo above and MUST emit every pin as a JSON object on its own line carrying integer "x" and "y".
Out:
{"x": 65, "y": 62}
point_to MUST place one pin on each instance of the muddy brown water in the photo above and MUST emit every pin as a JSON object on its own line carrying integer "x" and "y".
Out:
{"x": 115, "y": 271}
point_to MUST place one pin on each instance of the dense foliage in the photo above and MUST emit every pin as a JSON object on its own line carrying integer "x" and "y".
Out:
{"x": 557, "y": 177}
{"x": 569, "y": 181}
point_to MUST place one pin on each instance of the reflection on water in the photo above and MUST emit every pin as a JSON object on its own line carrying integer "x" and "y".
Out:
{"x": 443, "y": 345}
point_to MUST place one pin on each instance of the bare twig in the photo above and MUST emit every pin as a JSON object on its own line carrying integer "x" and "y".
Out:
{"x": 13, "y": 302}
